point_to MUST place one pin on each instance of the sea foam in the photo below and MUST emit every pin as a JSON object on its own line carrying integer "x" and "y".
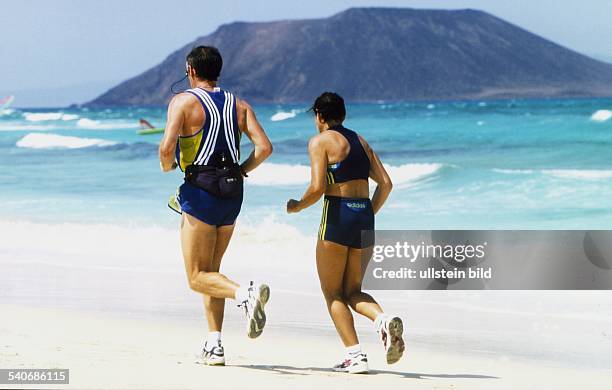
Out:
{"x": 283, "y": 115}
{"x": 48, "y": 116}
{"x": 54, "y": 141}
{"x": 575, "y": 174}
{"x": 408, "y": 174}
{"x": 78, "y": 245}
{"x": 601, "y": 115}
{"x": 580, "y": 174}
{"x": 11, "y": 126}
{"x": 86, "y": 123}
{"x": 269, "y": 174}
{"x": 514, "y": 171}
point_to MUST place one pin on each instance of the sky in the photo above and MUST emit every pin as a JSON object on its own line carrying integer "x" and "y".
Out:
{"x": 58, "y": 52}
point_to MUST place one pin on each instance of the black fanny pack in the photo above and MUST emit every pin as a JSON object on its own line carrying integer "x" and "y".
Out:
{"x": 222, "y": 182}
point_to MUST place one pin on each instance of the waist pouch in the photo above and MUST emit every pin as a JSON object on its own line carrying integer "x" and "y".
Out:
{"x": 222, "y": 182}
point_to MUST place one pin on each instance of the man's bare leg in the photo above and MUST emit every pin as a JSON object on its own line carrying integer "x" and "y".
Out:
{"x": 198, "y": 241}
{"x": 215, "y": 307}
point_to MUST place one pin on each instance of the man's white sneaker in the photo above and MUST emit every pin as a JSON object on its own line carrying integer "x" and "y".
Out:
{"x": 353, "y": 365}
{"x": 390, "y": 333}
{"x": 254, "y": 307}
{"x": 212, "y": 356}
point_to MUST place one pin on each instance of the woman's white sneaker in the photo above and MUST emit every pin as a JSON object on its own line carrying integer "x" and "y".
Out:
{"x": 353, "y": 365}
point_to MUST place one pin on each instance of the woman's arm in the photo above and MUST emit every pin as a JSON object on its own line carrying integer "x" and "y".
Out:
{"x": 262, "y": 145}
{"x": 379, "y": 174}
{"x": 318, "y": 183}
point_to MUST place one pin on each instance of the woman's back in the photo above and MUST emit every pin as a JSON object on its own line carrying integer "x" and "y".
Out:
{"x": 348, "y": 164}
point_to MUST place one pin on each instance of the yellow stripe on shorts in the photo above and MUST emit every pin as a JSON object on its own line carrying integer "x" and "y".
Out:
{"x": 323, "y": 220}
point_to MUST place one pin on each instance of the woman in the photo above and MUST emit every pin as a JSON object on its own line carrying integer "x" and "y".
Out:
{"x": 341, "y": 164}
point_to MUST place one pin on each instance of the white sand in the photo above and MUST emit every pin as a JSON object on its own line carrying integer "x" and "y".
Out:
{"x": 112, "y": 305}
{"x": 105, "y": 352}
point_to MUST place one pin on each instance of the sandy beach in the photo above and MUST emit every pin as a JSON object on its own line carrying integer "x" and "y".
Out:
{"x": 106, "y": 352}
{"x": 120, "y": 315}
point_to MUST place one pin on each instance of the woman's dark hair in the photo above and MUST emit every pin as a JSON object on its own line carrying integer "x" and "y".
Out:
{"x": 330, "y": 106}
{"x": 206, "y": 61}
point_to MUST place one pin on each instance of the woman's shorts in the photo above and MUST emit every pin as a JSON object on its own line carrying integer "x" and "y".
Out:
{"x": 344, "y": 220}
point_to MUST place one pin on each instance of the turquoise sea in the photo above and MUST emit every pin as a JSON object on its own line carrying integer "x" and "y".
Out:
{"x": 524, "y": 164}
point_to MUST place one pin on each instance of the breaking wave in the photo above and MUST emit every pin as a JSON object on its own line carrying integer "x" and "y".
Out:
{"x": 54, "y": 141}
{"x": 269, "y": 174}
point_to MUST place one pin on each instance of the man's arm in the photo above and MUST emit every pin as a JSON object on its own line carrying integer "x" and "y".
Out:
{"x": 174, "y": 124}
{"x": 318, "y": 183}
{"x": 262, "y": 145}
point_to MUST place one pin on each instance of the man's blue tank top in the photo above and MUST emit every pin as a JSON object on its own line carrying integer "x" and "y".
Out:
{"x": 219, "y": 135}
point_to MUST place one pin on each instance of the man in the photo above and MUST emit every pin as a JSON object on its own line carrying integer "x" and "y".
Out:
{"x": 202, "y": 137}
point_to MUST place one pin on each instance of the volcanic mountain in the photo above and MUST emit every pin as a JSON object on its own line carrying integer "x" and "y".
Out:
{"x": 372, "y": 54}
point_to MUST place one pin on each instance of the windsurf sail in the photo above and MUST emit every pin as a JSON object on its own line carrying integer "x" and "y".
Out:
{"x": 145, "y": 124}
{"x": 146, "y": 128}
{"x": 6, "y": 101}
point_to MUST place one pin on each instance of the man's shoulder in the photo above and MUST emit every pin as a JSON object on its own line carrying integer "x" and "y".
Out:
{"x": 183, "y": 97}
{"x": 241, "y": 103}
{"x": 183, "y": 100}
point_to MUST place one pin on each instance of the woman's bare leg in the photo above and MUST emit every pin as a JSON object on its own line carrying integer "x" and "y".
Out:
{"x": 331, "y": 265}
{"x": 359, "y": 301}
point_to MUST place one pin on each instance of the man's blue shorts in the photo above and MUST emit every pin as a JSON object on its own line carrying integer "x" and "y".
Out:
{"x": 206, "y": 207}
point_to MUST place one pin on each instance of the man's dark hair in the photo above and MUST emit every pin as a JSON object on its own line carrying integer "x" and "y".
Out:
{"x": 206, "y": 61}
{"x": 330, "y": 106}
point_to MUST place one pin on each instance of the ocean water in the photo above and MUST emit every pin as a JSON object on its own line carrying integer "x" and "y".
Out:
{"x": 525, "y": 164}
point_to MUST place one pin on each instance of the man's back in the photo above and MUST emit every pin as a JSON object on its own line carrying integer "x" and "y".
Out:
{"x": 195, "y": 116}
